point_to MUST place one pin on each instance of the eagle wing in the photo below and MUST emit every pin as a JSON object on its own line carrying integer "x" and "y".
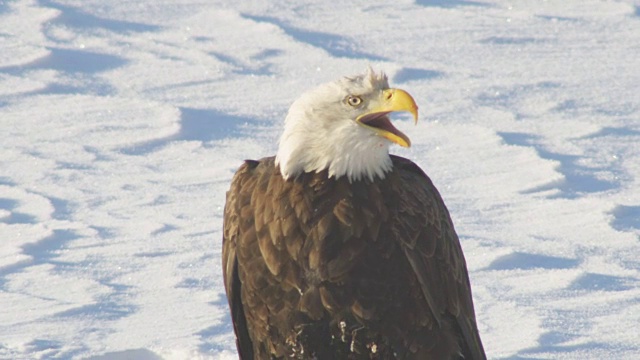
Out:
{"x": 432, "y": 248}
{"x": 238, "y": 197}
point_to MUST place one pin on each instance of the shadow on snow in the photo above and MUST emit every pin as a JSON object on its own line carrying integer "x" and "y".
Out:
{"x": 78, "y": 66}
{"x": 40, "y": 252}
{"x": 578, "y": 179}
{"x": 601, "y": 282}
{"x": 626, "y": 218}
{"x": 410, "y": 74}
{"x": 76, "y": 18}
{"x": 450, "y": 3}
{"x": 137, "y": 354}
{"x": 335, "y": 45}
{"x": 15, "y": 217}
{"x": 210, "y": 336}
{"x": 524, "y": 261}
{"x": 205, "y": 125}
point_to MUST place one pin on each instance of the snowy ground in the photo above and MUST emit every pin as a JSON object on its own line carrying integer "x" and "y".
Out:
{"x": 122, "y": 122}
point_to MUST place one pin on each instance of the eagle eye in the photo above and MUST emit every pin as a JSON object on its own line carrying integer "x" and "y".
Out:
{"x": 354, "y": 100}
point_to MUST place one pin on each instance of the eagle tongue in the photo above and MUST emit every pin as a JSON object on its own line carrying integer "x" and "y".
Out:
{"x": 380, "y": 121}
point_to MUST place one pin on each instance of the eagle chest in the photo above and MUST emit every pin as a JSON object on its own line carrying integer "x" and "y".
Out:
{"x": 321, "y": 247}
{"x": 320, "y": 225}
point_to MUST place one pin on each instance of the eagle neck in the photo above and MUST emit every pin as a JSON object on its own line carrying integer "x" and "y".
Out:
{"x": 362, "y": 156}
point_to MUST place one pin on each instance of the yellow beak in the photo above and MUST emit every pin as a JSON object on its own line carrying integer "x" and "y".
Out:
{"x": 376, "y": 119}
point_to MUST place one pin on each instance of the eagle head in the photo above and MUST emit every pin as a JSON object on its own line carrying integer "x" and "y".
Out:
{"x": 344, "y": 127}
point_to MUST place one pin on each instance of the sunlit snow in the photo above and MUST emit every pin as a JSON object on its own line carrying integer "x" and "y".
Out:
{"x": 122, "y": 123}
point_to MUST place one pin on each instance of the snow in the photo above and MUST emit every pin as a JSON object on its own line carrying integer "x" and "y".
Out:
{"x": 122, "y": 123}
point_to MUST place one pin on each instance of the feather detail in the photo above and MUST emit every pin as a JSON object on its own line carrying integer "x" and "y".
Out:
{"x": 320, "y": 133}
{"x": 350, "y": 265}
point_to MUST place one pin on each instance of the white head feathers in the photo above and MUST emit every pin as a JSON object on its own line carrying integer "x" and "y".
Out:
{"x": 320, "y": 132}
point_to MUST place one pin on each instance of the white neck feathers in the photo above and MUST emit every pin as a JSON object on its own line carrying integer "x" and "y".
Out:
{"x": 320, "y": 134}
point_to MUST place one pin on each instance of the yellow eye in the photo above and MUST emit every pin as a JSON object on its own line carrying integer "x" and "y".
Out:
{"x": 354, "y": 100}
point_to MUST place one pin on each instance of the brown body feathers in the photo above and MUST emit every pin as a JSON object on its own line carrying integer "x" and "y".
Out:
{"x": 319, "y": 268}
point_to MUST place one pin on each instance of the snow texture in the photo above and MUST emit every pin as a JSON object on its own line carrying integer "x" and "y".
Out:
{"x": 122, "y": 123}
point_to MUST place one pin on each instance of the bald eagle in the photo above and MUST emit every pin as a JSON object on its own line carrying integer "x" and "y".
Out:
{"x": 334, "y": 249}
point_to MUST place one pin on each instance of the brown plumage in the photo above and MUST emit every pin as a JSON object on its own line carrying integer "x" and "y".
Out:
{"x": 336, "y": 250}
{"x": 319, "y": 268}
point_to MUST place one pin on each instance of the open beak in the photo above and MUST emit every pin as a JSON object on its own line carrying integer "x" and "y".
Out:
{"x": 378, "y": 121}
